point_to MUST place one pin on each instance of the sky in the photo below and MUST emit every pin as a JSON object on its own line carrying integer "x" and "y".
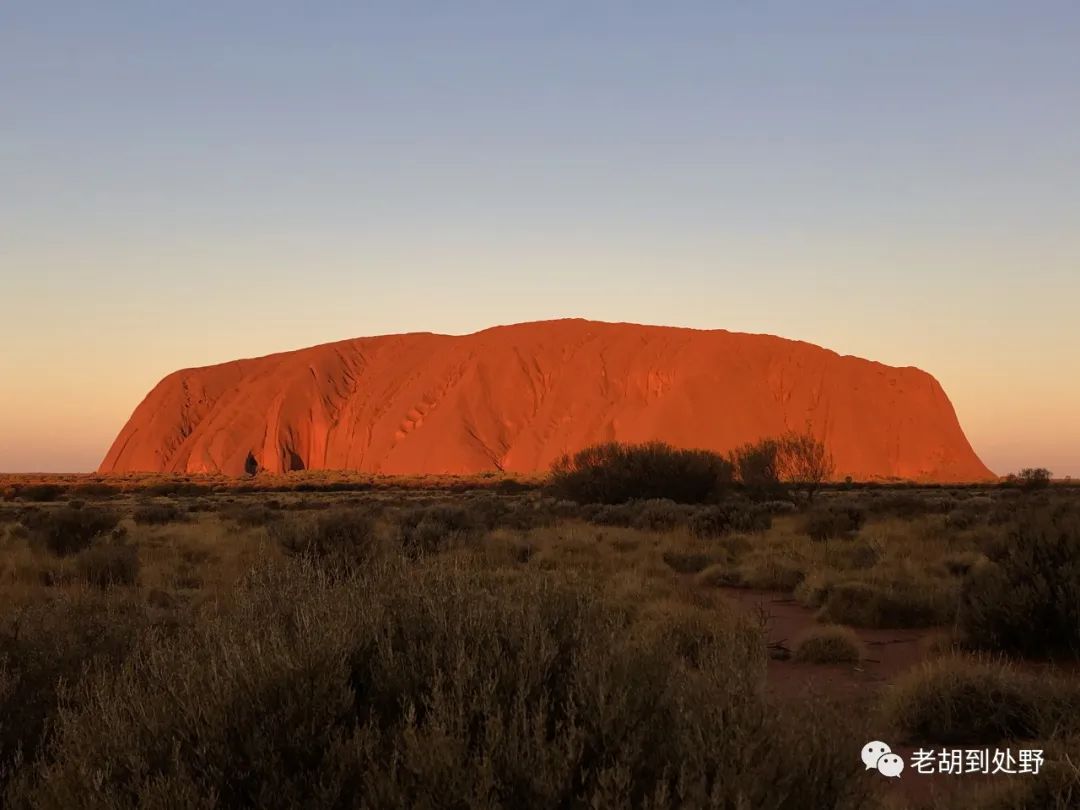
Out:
{"x": 187, "y": 183}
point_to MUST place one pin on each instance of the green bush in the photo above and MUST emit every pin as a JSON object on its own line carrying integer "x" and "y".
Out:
{"x": 615, "y": 473}
{"x": 67, "y": 530}
{"x": 446, "y": 689}
{"x": 1027, "y": 599}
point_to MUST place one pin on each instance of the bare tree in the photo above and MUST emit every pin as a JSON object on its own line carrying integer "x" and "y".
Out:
{"x": 804, "y": 462}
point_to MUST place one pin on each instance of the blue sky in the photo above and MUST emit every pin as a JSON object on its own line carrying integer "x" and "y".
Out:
{"x": 189, "y": 183}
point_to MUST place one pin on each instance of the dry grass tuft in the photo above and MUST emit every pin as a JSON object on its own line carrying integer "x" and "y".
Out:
{"x": 830, "y": 644}
{"x": 959, "y": 699}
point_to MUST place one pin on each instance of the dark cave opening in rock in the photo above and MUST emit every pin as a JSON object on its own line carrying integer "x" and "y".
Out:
{"x": 295, "y": 462}
{"x": 251, "y": 466}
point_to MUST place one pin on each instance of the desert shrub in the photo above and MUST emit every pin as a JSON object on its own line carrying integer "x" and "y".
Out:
{"x": 687, "y": 562}
{"x": 1055, "y": 787}
{"x": 757, "y": 468}
{"x": 566, "y": 510}
{"x": 717, "y": 521}
{"x": 1027, "y": 599}
{"x": 45, "y": 646}
{"x": 887, "y": 604}
{"x": 95, "y": 490}
{"x": 616, "y": 473}
{"x": 606, "y": 514}
{"x": 430, "y": 529}
{"x": 492, "y": 511}
{"x": 105, "y": 564}
{"x": 186, "y": 489}
{"x": 186, "y": 575}
{"x": 963, "y": 699}
{"x": 512, "y": 486}
{"x": 960, "y": 563}
{"x": 857, "y": 555}
{"x": 769, "y": 467}
{"x": 248, "y": 515}
{"x": 815, "y": 587}
{"x": 342, "y": 538}
{"x": 159, "y": 513}
{"x": 526, "y": 516}
{"x": 906, "y": 505}
{"x": 503, "y": 546}
{"x": 660, "y": 514}
{"x": 718, "y": 575}
{"x": 829, "y": 644}
{"x": 779, "y": 507}
{"x": 969, "y": 513}
{"x": 65, "y": 530}
{"x": 1030, "y": 478}
{"x": 736, "y": 545}
{"x": 833, "y": 522}
{"x": 42, "y": 493}
{"x": 19, "y": 531}
{"x": 771, "y": 573}
{"x": 487, "y": 510}
{"x": 442, "y": 690}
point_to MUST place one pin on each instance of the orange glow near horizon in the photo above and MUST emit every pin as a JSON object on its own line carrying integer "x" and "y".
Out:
{"x": 895, "y": 181}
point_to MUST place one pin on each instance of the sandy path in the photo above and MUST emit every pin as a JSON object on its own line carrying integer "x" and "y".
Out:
{"x": 890, "y": 653}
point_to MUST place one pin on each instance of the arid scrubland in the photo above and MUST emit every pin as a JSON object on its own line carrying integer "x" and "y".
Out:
{"x": 296, "y": 643}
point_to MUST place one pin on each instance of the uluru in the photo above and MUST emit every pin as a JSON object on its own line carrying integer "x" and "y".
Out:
{"x": 515, "y": 398}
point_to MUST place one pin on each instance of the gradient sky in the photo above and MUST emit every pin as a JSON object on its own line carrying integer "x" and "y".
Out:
{"x": 187, "y": 183}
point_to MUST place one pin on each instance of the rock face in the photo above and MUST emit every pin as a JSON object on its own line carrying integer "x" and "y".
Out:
{"x": 516, "y": 397}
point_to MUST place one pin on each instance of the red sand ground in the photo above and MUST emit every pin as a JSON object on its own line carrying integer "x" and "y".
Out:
{"x": 514, "y": 398}
{"x": 890, "y": 653}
